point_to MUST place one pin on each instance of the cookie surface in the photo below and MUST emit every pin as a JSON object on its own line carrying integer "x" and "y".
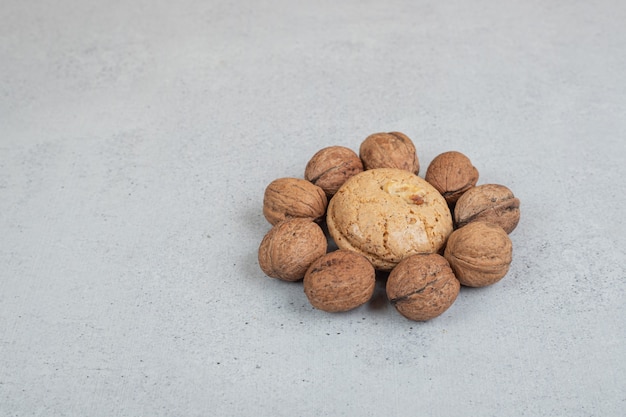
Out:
{"x": 387, "y": 215}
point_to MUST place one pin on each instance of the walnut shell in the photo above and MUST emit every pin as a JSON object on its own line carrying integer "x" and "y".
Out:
{"x": 422, "y": 287}
{"x": 290, "y": 247}
{"x": 330, "y": 167}
{"x": 389, "y": 150}
{"x": 293, "y": 198}
{"x": 339, "y": 281}
{"x": 492, "y": 203}
{"x": 452, "y": 174}
{"x": 479, "y": 253}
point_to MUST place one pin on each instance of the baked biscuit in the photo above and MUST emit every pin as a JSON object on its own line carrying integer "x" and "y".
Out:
{"x": 388, "y": 214}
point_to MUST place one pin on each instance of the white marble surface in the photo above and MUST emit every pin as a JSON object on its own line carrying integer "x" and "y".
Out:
{"x": 136, "y": 139}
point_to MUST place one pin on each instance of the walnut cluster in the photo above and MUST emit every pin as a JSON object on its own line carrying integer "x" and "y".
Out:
{"x": 423, "y": 281}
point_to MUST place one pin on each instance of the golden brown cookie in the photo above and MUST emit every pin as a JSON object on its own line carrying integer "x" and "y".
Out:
{"x": 388, "y": 214}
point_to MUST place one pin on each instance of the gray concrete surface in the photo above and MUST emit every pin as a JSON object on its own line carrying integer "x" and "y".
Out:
{"x": 136, "y": 139}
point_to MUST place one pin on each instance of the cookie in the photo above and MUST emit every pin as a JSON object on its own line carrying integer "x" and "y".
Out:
{"x": 387, "y": 215}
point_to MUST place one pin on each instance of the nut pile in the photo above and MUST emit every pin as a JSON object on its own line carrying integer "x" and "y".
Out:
{"x": 431, "y": 235}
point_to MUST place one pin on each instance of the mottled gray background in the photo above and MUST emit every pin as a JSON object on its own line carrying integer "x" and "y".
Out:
{"x": 137, "y": 137}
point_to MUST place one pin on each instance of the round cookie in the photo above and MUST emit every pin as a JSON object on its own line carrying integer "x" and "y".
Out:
{"x": 388, "y": 214}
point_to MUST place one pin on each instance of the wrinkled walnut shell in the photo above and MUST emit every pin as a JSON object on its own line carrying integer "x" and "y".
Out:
{"x": 389, "y": 150}
{"x": 339, "y": 281}
{"x": 330, "y": 167}
{"x": 422, "y": 287}
{"x": 290, "y": 247}
{"x": 452, "y": 174}
{"x": 492, "y": 203}
{"x": 479, "y": 253}
{"x": 287, "y": 198}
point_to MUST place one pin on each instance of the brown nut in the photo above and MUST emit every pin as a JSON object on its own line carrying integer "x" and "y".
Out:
{"x": 422, "y": 287}
{"x": 290, "y": 247}
{"x": 287, "y": 198}
{"x": 452, "y": 174}
{"x": 479, "y": 253}
{"x": 330, "y": 167}
{"x": 492, "y": 203}
{"x": 339, "y": 281}
{"x": 389, "y": 150}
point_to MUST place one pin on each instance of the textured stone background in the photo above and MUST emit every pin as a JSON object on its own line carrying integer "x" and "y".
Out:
{"x": 136, "y": 139}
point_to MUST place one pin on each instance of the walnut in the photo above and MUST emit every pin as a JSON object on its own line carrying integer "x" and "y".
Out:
{"x": 339, "y": 281}
{"x": 452, "y": 174}
{"x": 389, "y": 150}
{"x": 330, "y": 167}
{"x": 479, "y": 253}
{"x": 422, "y": 287}
{"x": 293, "y": 198}
{"x": 492, "y": 203}
{"x": 290, "y": 247}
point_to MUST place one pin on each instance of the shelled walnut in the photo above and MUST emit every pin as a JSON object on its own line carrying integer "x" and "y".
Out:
{"x": 389, "y": 150}
{"x": 492, "y": 203}
{"x": 422, "y": 286}
{"x": 479, "y": 253}
{"x": 330, "y": 167}
{"x": 290, "y": 247}
{"x": 339, "y": 281}
{"x": 452, "y": 174}
{"x": 287, "y": 198}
